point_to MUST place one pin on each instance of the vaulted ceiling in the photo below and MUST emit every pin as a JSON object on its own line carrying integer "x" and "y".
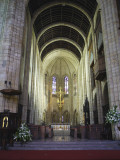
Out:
{"x": 62, "y": 24}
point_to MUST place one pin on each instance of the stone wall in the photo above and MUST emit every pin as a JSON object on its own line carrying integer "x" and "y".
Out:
{"x": 11, "y": 32}
{"x": 31, "y": 76}
{"x": 60, "y": 68}
{"x": 111, "y": 38}
{"x": 21, "y": 66}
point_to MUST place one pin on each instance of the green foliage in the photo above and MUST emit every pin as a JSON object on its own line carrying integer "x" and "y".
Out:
{"x": 113, "y": 116}
{"x": 23, "y": 134}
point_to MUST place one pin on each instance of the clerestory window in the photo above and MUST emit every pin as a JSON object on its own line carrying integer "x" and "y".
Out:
{"x": 66, "y": 84}
{"x": 53, "y": 85}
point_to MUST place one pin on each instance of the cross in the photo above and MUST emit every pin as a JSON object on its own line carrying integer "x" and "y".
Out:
{"x": 60, "y": 100}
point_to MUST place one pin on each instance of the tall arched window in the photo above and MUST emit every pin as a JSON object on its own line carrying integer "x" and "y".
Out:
{"x": 66, "y": 84}
{"x": 54, "y": 85}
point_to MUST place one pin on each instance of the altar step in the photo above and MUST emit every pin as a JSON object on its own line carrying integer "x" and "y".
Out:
{"x": 68, "y": 145}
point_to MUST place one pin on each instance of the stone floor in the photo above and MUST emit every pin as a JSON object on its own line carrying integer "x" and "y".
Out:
{"x": 67, "y": 143}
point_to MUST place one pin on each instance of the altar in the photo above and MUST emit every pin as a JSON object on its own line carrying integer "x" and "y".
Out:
{"x": 61, "y": 129}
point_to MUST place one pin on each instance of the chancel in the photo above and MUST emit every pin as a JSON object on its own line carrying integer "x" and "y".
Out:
{"x": 61, "y": 128}
{"x": 60, "y": 67}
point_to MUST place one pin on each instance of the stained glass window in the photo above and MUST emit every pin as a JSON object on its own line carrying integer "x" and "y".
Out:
{"x": 66, "y": 85}
{"x": 54, "y": 85}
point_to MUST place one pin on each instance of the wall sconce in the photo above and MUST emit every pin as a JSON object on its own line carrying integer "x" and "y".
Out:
{"x": 5, "y": 83}
{"x": 10, "y": 84}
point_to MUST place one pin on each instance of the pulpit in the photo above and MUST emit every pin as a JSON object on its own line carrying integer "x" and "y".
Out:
{"x": 8, "y": 126}
{"x": 9, "y": 122}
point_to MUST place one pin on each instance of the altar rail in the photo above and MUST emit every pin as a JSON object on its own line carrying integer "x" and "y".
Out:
{"x": 40, "y": 131}
{"x": 73, "y": 132}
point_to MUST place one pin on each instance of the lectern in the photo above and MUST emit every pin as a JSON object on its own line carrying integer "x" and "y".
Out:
{"x": 8, "y": 125}
{"x": 9, "y": 122}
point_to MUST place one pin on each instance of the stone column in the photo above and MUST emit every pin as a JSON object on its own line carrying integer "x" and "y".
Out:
{"x": 3, "y": 54}
{"x": 11, "y": 51}
{"x": 111, "y": 39}
{"x": 27, "y": 51}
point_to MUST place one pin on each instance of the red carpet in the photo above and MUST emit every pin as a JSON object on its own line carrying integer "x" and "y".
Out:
{"x": 60, "y": 155}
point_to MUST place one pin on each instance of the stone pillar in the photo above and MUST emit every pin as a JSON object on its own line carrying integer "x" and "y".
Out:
{"x": 111, "y": 39}
{"x": 27, "y": 51}
{"x": 99, "y": 102}
{"x": 3, "y": 54}
{"x": 88, "y": 87}
{"x": 11, "y": 50}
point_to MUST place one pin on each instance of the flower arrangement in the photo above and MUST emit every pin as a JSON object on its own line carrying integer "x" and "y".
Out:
{"x": 113, "y": 116}
{"x": 23, "y": 134}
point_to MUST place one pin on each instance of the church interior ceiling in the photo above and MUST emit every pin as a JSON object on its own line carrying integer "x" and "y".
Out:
{"x": 45, "y": 14}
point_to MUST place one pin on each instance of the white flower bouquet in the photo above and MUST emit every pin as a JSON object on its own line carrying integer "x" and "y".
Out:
{"x": 23, "y": 134}
{"x": 113, "y": 116}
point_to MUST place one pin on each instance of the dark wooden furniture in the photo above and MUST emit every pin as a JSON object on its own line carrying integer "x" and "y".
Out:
{"x": 73, "y": 132}
{"x": 8, "y": 125}
{"x": 10, "y": 92}
{"x": 106, "y": 132}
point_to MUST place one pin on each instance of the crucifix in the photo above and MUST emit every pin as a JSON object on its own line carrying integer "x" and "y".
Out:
{"x": 60, "y": 102}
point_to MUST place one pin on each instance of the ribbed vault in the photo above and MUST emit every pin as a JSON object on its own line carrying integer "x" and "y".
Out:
{"x": 61, "y": 31}
{"x": 63, "y": 45}
{"x": 68, "y": 56}
{"x": 78, "y": 13}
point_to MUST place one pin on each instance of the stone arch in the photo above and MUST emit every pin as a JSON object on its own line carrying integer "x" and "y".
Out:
{"x": 60, "y": 24}
{"x": 97, "y": 17}
{"x": 99, "y": 2}
{"x": 62, "y": 39}
{"x": 58, "y": 53}
{"x": 41, "y": 9}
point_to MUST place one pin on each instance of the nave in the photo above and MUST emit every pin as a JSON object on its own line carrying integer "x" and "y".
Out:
{"x": 60, "y": 64}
